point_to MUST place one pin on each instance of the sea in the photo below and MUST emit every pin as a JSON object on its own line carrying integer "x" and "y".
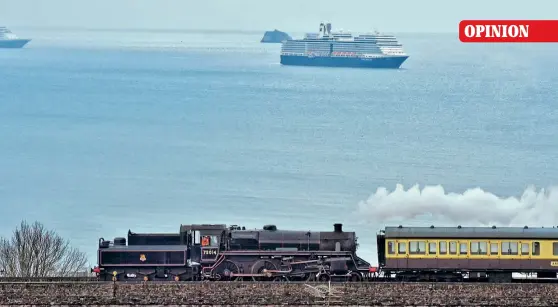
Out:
{"x": 105, "y": 131}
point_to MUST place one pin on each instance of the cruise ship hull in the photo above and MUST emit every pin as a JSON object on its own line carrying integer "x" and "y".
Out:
{"x": 393, "y": 62}
{"x": 14, "y": 43}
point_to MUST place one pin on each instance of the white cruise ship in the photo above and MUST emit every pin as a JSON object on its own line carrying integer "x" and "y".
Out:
{"x": 10, "y": 40}
{"x": 341, "y": 49}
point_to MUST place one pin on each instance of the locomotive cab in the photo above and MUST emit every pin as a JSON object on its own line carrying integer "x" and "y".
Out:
{"x": 205, "y": 241}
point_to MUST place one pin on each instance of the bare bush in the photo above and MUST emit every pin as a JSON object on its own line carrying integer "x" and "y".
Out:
{"x": 33, "y": 251}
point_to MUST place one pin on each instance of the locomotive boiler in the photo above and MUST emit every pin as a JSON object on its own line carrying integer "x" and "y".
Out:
{"x": 218, "y": 252}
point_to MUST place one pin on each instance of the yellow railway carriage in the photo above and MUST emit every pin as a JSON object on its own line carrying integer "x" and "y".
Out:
{"x": 446, "y": 253}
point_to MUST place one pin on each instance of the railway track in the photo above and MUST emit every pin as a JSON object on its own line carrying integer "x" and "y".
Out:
{"x": 93, "y": 280}
{"x": 47, "y": 279}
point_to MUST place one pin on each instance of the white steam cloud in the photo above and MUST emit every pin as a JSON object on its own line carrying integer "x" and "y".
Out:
{"x": 474, "y": 207}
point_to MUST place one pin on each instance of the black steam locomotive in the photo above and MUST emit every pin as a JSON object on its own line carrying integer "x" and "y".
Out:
{"x": 218, "y": 252}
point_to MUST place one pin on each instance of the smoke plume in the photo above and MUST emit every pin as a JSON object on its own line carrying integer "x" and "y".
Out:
{"x": 474, "y": 207}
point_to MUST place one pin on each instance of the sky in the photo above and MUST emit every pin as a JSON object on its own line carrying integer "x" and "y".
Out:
{"x": 258, "y": 15}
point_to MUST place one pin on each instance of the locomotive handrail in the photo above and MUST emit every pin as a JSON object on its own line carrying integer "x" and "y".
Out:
{"x": 215, "y": 264}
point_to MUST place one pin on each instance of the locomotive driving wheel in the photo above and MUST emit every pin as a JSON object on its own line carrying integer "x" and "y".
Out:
{"x": 225, "y": 270}
{"x": 308, "y": 273}
{"x": 308, "y": 277}
{"x": 355, "y": 277}
{"x": 261, "y": 267}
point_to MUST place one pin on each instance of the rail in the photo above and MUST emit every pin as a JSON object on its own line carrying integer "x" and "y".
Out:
{"x": 94, "y": 280}
{"x": 48, "y": 279}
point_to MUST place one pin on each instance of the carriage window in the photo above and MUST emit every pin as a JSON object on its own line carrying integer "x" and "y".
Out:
{"x": 524, "y": 248}
{"x": 555, "y": 248}
{"x": 453, "y": 247}
{"x": 413, "y": 247}
{"x": 509, "y": 248}
{"x": 463, "y": 248}
{"x": 513, "y": 248}
{"x": 478, "y": 248}
{"x": 443, "y": 247}
{"x": 432, "y": 248}
{"x": 483, "y": 248}
{"x": 417, "y": 248}
{"x": 197, "y": 237}
{"x": 421, "y": 248}
{"x": 391, "y": 248}
{"x": 474, "y": 247}
{"x": 494, "y": 248}
{"x": 536, "y": 248}
{"x": 505, "y": 248}
{"x": 402, "y": 247}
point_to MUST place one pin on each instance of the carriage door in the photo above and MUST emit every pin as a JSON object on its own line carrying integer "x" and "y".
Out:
{"x": 463, "y": 257}
{"x": 524, "y": 255}
{"x": 494, "y": 261}
{"x": 402, "y": 255}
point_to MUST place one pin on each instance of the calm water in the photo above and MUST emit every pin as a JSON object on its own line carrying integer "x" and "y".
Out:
{"x": 102, "y": 132}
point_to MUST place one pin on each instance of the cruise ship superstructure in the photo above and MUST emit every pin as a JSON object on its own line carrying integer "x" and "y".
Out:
{"x": 341, "y": 49}
{"x": 10, "y": 40}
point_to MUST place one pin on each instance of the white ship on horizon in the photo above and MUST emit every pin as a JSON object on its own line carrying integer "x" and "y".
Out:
{"x": 342, "y": 49}
{"x": 10, "y": 40}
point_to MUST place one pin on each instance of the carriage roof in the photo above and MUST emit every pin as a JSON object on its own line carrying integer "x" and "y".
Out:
{"x": 472, "y": 232}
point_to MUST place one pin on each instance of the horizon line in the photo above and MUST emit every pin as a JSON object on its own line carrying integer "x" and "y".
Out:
{"x": 193, "y": 30}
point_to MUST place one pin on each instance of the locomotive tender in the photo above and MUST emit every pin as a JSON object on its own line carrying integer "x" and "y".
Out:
{"x": 479, "y": 253}
{"x": 218, "y": 252}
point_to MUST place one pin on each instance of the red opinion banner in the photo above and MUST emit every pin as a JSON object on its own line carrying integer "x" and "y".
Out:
{"x": 508, "y": 31}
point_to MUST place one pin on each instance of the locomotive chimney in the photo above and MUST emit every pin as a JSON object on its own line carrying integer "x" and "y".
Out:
{"x": 338, "y": 227}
